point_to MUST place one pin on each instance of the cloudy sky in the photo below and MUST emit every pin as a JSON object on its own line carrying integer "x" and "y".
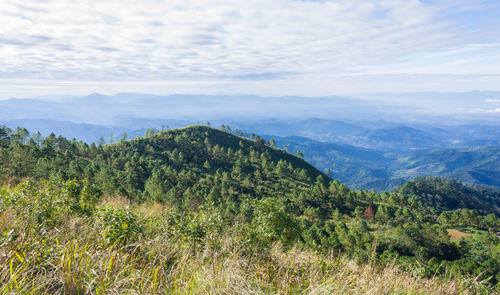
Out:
{"x": 278, "y": 47}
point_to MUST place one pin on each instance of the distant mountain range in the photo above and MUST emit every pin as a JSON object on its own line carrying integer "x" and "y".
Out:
{"x": 368, "y": 145}
{"x": 363, "y": 168}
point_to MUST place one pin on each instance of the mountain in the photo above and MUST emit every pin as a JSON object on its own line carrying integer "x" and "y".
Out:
{"x": 350, "y": 137}
{"x": 394, "y": 138}
{"x": 198, "y": 164}
{"x": 107, "y": 110}
{"x": 164, "y": 165}
{"x": 365, "y": 123}
{"x": 314, "y": 128}
{"x": 479, "y": 165}
{"x": 359, "y": 167}
{"x": 448, "y": 194}
{"x": 353, "y": 165}
{"x": 363, "y": 168}
{"x": 204, "y": 191}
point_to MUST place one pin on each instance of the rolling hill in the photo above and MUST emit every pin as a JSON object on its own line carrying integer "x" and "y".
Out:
{"x": 203, "y": 164}
{"x": 448, "y": 194}
{"x": 202, "y": 191}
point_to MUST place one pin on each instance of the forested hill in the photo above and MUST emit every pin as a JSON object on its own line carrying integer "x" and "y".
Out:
{"x": 200, "y": 164}
{"x": 261, "y": 195}
{"x": 195, "y": 160}
{"x": 448, "y": 194}
{"x": 171, "y": 166}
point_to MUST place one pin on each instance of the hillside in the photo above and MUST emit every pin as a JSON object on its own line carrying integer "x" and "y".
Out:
{"x": 205, "y": 155}
{"x": 147, "y": 168}
{"x": 447, "y": 194}
{"x": 363, "y": 168}
{"x": 208, "y": 184}
{"x": 479, "y": 165}
{"x": 59, "y": 238}
{"x": 201, "y": 163}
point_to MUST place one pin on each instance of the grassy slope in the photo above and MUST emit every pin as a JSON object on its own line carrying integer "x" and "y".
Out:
{"x": 75, "y": 258}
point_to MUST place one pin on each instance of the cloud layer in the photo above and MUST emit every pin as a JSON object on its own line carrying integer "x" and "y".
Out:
{"x": 279, "y": 41}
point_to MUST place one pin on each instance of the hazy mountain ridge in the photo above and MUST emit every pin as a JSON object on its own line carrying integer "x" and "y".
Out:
{"x": 363, "y": 168}
{"x": 372, "y": 153}
{"x": 102, "y": 109}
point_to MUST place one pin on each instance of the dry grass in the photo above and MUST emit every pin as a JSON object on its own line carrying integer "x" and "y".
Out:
{"x": 152, "y": 209}
{"x": 160, "y": 266}
{"x": 115, "y": 201}
{"x": 456, "y": 235}
{"x": 75, "y": 258}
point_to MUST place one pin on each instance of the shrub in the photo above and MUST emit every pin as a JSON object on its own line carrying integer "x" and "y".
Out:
{"x": 80, "y": 196}
{"x": 272, "y": 222}
{"x": 119, "y": 225}
{"x": 194, "y": 228}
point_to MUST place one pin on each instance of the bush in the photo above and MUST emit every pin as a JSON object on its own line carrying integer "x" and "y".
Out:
{"x": 38, "y": 201}
{"x": 80, "y": 196}
{"x": 119, "y": 225}
{"x": 272, "y": 223}
{"x": 48, "y": 202}
{"x": 194, "y": 228}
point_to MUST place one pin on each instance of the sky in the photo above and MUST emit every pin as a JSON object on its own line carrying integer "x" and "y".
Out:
{"x": 274, "y": 48}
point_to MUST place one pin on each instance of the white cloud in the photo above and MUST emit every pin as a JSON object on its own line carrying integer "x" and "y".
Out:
{"x": 221, "y": 40}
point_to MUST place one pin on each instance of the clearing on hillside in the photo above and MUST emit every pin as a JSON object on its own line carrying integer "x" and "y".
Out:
{"x": 456, "y": 235}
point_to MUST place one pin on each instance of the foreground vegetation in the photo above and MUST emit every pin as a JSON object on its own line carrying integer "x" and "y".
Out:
{"x": 199, "y": 210}
{"x": 58, "y": 238}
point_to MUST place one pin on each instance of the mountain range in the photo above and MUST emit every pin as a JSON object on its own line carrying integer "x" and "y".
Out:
{"x": 365, "y": 144}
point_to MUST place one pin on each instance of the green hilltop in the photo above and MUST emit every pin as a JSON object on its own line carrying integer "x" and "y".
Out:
{"x": 212, "y": 189}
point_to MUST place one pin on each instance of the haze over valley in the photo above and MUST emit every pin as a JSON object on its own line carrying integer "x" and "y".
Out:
{"x": 366, "y": 143}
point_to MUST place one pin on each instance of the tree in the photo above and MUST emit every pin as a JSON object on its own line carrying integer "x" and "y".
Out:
{"x": 37, "y": 137}
{"x": 369, "y": 213}
{"x": 4, "y": 136}
{"x": 21, "y": 134}
{"x": 300, "y": 154}
{"x": 124, "y": 137}
{"x": 273, "y": 223}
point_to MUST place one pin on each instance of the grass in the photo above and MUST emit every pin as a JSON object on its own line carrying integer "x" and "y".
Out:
{"x": 456, "y": 235}
{"x": 75, "y": 257}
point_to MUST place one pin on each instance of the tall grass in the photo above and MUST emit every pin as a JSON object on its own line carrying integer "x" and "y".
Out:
{"x": 75, "y": 257}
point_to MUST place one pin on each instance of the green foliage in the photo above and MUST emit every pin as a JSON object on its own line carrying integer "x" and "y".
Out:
{"x": 49, "y": 201}
{"x": 219, "y": 184}
{"x": 194, "y": 229}
{"x": 272, "y": 223}
{"x": 119, "y": 225}
{"x": 448, "y": 194}
{"x": 80, "y": 196}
